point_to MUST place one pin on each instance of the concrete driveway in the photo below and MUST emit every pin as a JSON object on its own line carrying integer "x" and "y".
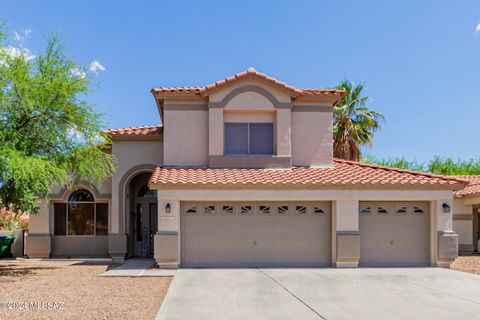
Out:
{"x": 417, "y": 293}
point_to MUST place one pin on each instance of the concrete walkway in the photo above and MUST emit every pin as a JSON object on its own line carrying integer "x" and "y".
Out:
{"x": 271, "y": 294}
{"x": 138, "y": 268}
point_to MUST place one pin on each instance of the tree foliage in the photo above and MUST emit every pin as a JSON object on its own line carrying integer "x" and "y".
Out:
{"x": 353, "y": 122}
{"x": 48, "y": 133}
{"x": 438, "y": 165}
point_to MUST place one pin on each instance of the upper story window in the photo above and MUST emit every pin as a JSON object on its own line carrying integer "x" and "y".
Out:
{"x": 249, "y": 138}
{"x": 80, "y": 216}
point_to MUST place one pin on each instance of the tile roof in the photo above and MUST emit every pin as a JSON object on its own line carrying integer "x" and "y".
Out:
{"x": 472, "y": 188}
{"x": 343, "y": 173}
{"x": 136, "y": 131}
{"x": 250, "y": 72}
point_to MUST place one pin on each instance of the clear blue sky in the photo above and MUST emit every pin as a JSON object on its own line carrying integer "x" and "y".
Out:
{"x": 419, "y": 59}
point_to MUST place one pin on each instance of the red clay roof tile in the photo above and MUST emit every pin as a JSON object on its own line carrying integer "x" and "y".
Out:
{"x": 138, "y": 131}
{"x": 250, "y": 72}
{"x": 472, "y": 188}
{"x": 342, "y": 173}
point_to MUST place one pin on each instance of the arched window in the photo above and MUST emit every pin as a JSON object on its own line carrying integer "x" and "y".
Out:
{"x": 146, "y": 192}
{"x": 80, "y": 215}
{"x": 81, "y": 195}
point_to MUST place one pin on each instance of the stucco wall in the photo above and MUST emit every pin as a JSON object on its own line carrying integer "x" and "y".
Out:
{"x": 185, "y": 138}
{"x": 249, "y": 100}
{"x": 130, "y": 155}
{"x": 345, "y": 205}
{"x": 312, "y": 140}
{"x": 79, "y": 246}
{"x": 463, "y": 221}
{"x": 279, "y": 94}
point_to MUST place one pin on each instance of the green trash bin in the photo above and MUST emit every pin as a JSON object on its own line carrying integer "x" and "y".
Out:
{"x": 6, "y": 246}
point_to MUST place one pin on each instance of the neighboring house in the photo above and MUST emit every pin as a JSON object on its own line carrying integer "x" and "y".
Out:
{"x": 466, "y": 205}
{"x": 241, "y": 174}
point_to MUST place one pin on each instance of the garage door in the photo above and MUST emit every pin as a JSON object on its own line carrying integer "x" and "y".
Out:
{"x": 255, "y": 234}
{"x": 394, "y": 234}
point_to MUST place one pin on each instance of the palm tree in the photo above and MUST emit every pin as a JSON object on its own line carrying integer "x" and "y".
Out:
{"x": 353, "y": 122}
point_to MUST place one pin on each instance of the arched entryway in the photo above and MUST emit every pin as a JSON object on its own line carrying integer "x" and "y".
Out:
{"x": 142, "y": 216}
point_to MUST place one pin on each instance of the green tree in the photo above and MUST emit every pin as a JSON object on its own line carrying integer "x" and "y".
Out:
{"x": 438, "y": 165}
{"x": 48, "y": 133}
{"x": 459, "y": 167}
{"x": 354, "y": 123}
{"x": 395, "y": 162}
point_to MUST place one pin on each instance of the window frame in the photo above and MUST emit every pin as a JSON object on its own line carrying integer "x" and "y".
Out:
{"x": 248, "y": 124}
{"x": 94, "y": 202}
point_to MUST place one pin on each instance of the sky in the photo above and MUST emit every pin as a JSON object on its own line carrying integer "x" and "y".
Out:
{"x": 419, "y": 60}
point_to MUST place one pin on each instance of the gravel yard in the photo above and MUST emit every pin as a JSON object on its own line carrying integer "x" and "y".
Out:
{"x": 76, "y": 288}
{"x": 469, "y": 264}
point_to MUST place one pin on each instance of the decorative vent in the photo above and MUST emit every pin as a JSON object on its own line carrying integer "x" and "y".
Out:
{"x": 191, "y": 211}
{"x": 382, "y": 210}
{"x": 282, "y": 210}
{"x": 209, "y": 210}
{"x": 301, "y": 210}
{"x": 366, "y": 210}
{"x": 418, "y": 210}
{"x": 246, "y": 210}
{"x": 264, "y": 210}
{"x": 402, "y": 210}
{"x": 227, "y": 210}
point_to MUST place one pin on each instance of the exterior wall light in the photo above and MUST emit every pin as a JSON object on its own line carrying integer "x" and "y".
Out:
{"x": 446, "y": 207}
{"x": 168, "y": 208}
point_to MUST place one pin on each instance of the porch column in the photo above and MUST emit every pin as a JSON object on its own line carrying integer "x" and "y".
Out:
{"x": 117, "y": 238}
{"x": 347, "y": 233}
{"x": 39, "y": 244}
{"x": 284, "y": 132}
{"x": 166, "y": 240}
{"x": 447, "y": 239}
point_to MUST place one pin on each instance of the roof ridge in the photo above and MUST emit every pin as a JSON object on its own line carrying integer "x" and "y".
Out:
{"x": 388, "y": 168}
{"x": 250, "y": 72}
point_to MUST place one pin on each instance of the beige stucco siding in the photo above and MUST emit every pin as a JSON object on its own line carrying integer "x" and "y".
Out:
{"x": 186, "y": 138}
{"x": 312, "y": 142}
{"x": 249, "y": 100}
{"x": 345, "y": 218}
{"x": 79, "y": 246}
{"x": 279, "y": 94}
{"x": 463, "y": 221}
{"x": 131, "y": 155}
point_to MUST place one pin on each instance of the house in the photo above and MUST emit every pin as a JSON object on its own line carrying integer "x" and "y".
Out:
{"x": 242, "y": 174}
{"x": 466, "y": 205}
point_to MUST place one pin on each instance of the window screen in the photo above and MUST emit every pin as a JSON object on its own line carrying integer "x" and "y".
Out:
{"x": 81, "y": 219}
{"x": 102, "y": 219}
{"x": 261, "y": 138}
{"x": 236, "y": 138}
{"x": 60, "y": 219}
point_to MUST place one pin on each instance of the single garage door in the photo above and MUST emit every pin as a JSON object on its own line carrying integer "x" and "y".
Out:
{"x": 394, "y": 234}
{"x": 255, "y": 234}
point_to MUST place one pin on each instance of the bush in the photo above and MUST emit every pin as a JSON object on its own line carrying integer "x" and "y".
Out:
{"x": 11, "y": 221}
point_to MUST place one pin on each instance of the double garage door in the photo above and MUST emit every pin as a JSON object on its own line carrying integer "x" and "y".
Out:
{"x": 255, "y": 234}
{"x": 299, "y": 234}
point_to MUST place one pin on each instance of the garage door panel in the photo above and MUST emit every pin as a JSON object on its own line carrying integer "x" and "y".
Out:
{"x": 257, "y": 234}
{"x": 394, "y": 234}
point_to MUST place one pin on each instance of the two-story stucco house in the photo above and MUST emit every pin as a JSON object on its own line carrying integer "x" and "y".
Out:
{"x": 241, "y": 173}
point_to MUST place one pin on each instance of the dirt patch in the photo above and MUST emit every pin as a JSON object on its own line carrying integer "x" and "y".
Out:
{"x": 469, "y": 264}
{"x": 75, "y": 291}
